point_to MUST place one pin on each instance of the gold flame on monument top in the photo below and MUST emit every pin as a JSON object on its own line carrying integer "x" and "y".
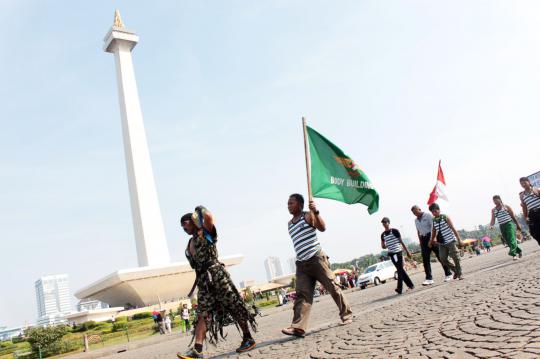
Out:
{"x": 118, "y": 20}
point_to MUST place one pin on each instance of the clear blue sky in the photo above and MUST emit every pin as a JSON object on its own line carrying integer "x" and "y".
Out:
{"x": 223, "y": 85}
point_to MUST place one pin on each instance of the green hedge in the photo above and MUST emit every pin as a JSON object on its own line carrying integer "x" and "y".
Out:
{"x": 267, "y": 303}
{"x": 119, "y": 326}
{"x": 144, "y": 315}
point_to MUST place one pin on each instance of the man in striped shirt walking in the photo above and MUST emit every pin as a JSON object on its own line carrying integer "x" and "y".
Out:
{"x": 312, "y": 265}
{"x": 424, "y": 225}
{"x": 392, "y": 242}
{"x": 506, "y": 218}
{"x": 530, "y": 202}
{"x": 445, "y": 235}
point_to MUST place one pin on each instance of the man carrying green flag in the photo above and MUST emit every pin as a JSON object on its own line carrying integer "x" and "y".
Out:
{"x": 334, "y": 175}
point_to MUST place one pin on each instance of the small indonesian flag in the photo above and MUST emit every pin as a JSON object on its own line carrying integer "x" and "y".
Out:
{"x": 439, "y": 191}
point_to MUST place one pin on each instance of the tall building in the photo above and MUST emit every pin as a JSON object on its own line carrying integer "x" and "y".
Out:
{"x": 148, "y": 227}
{"x": 273, "y": 268}
{"x": 291, "y": 262}
{"x": 156, "y": 279}
{"x": 53, "y": 299}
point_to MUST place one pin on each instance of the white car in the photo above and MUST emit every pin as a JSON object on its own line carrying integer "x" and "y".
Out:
{"x": 377, "y": 274}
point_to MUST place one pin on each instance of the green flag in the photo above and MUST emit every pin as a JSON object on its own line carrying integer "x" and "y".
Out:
{"x": 334, "y": 175}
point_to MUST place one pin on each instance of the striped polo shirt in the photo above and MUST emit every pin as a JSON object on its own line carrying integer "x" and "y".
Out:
{"x": 502, "y": 215}
{"x": 304, "y": 238}
{"x": 442, "y": 226}
{"x": 391, "y": 240}
{"x": 531, "y": 200}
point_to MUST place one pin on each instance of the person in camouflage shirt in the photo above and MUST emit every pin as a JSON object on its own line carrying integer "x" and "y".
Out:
{"x": 219, "y": 302}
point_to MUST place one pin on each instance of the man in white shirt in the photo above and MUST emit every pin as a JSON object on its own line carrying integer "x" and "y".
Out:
{"x": 168, "y": 323}
{"x": 424, "y": 224}
{"x": 185, "y": 318}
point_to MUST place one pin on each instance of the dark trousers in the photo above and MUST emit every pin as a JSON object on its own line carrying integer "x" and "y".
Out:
{"x": 534, "y": 224}
{"x": 426, "y": 256}
{"x": 397, "y": 259}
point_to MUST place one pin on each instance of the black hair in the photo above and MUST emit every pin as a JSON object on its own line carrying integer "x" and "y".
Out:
{"x": 497, "y": 197}
{"x": 415, "y": 206}
{"x": 298, "y": 198}
{"x": 434, "y": 206}
{"x": 186, "y": 217}
{"x": 385, "y": 219}
{"x": 524, "y": 179}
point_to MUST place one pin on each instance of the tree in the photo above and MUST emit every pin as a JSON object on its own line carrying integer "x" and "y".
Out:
{"x": 48, "y": 339}
{"x": 249, "y": 295}
{"x": 293, "y": 282}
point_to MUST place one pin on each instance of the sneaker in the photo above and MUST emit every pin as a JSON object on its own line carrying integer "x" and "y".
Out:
{"x": 514, "y": 258}
{"x": 427, "y": 282}
{"x": 399, "y": 291}
{"x": 461, "y": 277}
{"x": 246, "y": 345}
{"x": 299, "y": 333}
{"x": 190, "y": 354}
{"x": 448, "y": 278}
{"x": 520, "y": 254}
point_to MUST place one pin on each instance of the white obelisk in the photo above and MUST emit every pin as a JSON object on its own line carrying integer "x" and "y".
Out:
{"x": 147, "y": 222}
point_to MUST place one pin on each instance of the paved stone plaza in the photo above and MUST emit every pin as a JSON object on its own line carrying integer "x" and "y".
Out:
{"x": 493, "y": 313}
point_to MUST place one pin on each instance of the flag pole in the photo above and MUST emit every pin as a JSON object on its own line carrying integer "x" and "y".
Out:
{"x": 308, "y": 159}
{"x": 308, "y": 166}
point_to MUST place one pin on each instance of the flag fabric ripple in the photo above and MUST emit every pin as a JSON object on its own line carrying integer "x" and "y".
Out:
{"x": 439, "y": 191}
{"x": 334, "y": 175}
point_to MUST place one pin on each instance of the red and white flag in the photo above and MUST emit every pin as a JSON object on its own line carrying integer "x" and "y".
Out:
{"x": 439, "y": 191}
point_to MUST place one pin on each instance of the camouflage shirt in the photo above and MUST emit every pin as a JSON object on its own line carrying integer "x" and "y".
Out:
{"x": 205, "y": 252}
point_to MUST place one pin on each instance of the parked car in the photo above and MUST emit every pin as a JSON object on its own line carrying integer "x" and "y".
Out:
{"x": 377, "y": 274}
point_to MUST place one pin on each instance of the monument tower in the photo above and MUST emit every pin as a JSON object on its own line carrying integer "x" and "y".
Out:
{"x": 147, "y": 222}
{"x": 156, "y": 280}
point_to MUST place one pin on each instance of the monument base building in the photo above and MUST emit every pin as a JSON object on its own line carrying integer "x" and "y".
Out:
{"x": 146, "y": 286}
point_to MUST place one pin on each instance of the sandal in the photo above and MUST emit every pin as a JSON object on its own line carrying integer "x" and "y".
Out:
{"x": 299, "y": 333}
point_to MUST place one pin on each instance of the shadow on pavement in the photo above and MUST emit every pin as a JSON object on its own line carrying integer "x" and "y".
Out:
{"x": 285, "y": 339}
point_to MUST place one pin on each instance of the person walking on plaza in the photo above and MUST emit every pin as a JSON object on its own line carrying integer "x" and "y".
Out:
{"x": 160, "y": 322}
{"x": 444, "y": 235}
{"x": 530, "y": 202}
{"x": 391, "y": 241}
{"x": 508, "y": 224}
{"x": 486, "y": 242}
{"x": 219, "y": 302}
{"x": 312, "y": 265}
{"x": 168, "y": 324}
{"x": 185, "y": 317}
{"x": 424, "y": 224}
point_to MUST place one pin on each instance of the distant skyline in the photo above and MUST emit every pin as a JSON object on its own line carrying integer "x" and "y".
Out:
{"x": 53, "y": 299}
{"x": 273, "y": 268}
{"x": 223, "y": 87}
